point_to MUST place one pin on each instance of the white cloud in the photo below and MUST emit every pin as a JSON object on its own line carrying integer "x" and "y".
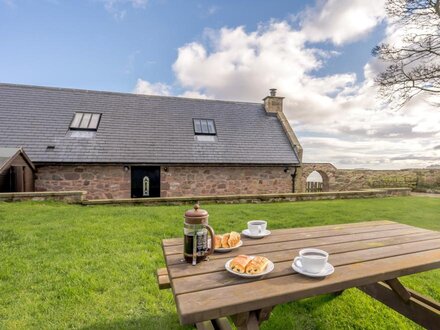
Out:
{"x": 195, "y": 95}
{"x": 242, "y": 65}
{"x": 338, "y": 118}
{"x": 118, "y": 8}
{"x": 341, "y": 20}
{"x": 145, "y": 87}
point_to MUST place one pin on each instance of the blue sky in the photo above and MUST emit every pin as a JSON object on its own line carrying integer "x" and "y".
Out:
{"x": 317, "y": 53}
{"x": 82, "y": 44}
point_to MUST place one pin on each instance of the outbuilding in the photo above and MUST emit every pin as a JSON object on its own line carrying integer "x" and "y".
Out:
{"x": 16, "y": 171}
{"x": 122, "y": 145}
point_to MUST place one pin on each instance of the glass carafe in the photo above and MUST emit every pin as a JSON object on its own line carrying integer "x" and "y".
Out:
{"x": 197, "y": 244}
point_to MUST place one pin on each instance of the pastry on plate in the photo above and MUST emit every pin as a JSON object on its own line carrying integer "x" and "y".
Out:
{"x": 225, "y": 240}
{"x": 238, "y": 264}
{"x": 218, "y": 241}
{"x": 234, "y": 239}
{"x": 257, "y": 265}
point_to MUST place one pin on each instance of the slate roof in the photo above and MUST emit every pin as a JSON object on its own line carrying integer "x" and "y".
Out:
{"x": 138, "y": 128}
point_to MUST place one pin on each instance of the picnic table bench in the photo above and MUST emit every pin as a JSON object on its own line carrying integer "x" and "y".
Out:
{"x": 369, "y": 256}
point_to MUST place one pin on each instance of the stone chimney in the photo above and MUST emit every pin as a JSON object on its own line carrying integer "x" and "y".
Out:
{"x": 273, "y": 103}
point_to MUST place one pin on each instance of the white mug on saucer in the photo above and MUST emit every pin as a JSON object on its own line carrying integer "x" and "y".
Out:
{"x": 257, "y": 227}
{"x": 311, "y": 260}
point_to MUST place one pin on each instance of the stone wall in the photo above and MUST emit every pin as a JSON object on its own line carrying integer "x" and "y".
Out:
{"x": 71, "y": 197}
{"x": 262, "y": 198}
{"x": 356, "y": 179}
{"x": 100, "y": 181}
{"x": 111, "y": 181}
{"x": 222, "y": 180}
{"x": 366, "y": 179}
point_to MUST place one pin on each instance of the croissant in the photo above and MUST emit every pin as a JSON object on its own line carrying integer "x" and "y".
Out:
{"x": 257, "y": 265}
{"x": 218, "y": 241}
{"x": 238, "y": 264}
{"x": 225, "y": 239}
{"x": 234, "y": 239}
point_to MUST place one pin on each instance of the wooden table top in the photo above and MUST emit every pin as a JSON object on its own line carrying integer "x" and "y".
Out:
{"x": 362, "y": 253}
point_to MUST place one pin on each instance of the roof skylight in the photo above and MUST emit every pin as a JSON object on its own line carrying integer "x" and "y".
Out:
{"x": 85, "y": 121}
{"x": 204, "y": 127}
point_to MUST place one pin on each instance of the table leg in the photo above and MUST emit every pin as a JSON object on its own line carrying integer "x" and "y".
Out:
{"x": 205, "y": 325}
{"x": 251, "y": 320}
{"x": 221, "y": 323}
{"x": 417, "y": 308}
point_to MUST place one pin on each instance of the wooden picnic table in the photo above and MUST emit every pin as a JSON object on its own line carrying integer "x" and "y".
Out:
{"x": 369, "y": 256}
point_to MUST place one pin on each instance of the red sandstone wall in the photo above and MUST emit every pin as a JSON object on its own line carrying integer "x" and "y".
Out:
{"x": 107, "y": 182}
{"x": 219, "y": 180}
{"x": 100, "y": 181}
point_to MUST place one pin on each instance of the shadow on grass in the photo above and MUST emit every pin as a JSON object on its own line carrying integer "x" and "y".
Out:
{"x": 167, "y": 321}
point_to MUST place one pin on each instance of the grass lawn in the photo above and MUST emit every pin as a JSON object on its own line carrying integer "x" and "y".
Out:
{"x": 70, "y": 266}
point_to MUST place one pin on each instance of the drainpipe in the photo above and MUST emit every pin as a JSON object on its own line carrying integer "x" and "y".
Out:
{"x": 293, "y": 175}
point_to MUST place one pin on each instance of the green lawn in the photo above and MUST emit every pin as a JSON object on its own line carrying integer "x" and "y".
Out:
{"x": 69, "y": 266}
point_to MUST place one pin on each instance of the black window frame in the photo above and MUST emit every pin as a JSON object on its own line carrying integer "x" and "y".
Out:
{"x": 207, "y": 120}
{"x": 80, "y": 122}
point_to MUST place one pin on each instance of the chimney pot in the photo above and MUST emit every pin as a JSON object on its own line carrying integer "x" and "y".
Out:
{"x": 273, "y": 92}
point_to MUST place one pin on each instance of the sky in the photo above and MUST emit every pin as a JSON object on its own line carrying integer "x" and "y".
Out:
{"x": 316, "y": 53}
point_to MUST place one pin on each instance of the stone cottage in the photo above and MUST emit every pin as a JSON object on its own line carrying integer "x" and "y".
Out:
{"x": 121, "y": 145}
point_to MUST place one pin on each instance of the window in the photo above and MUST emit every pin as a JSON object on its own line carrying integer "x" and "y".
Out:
{"x": 204, "y": 127}
{"x": 85, "y": 121}
{"x": 146, "y": 186}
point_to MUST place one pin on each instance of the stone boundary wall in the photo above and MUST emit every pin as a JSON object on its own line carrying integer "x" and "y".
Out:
{"x": 423, "y": 180}
{"x": 417, "y": 179}
{"x": 428, "y": 190}
{"x": 367, "y": 179}
{"x": 71, "y": 197}
{"x": 263, "y": 198}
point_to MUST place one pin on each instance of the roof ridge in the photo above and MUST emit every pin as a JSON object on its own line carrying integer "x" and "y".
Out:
{"x": 67, "y": 89}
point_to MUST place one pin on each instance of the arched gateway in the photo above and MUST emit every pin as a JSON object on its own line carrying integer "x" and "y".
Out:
{"x": 311, "y": 173}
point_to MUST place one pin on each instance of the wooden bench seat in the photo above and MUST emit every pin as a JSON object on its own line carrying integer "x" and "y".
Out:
{"x": 222, "y": 323}
{"x": 163, "y": 279}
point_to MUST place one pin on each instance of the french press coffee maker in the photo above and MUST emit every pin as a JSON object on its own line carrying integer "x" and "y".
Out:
{"x": 196, "y": 245}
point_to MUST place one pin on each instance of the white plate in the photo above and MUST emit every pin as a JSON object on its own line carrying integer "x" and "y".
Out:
{"x": 247, "y": 233}
{"x": 222, "y": 250}
{"x": 297, "y": 267}
{"x": 270, "y": 267}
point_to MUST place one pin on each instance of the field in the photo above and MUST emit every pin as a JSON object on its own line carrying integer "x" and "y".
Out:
{"x": 69, "y": 266}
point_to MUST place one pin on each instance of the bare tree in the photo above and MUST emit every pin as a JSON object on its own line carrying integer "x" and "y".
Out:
{"x": 413, "y": 61}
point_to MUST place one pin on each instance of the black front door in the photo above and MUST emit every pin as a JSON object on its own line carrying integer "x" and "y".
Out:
{"x": 145, "y": 181}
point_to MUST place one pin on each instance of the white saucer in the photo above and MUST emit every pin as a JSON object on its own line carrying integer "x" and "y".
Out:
{"x": 328, "y": 269}
{"x": 222, "y": 250}
{"x": 270, "y": 267}
{"x": 247, "y": 233}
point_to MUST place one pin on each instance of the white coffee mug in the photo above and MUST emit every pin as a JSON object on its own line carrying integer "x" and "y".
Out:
{"x": 311, "y": 260}
{"x": 257, "y": 227}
